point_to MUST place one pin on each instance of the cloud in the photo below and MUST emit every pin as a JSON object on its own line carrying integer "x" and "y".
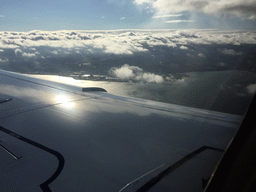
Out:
{"x": 230, "y": 52}
{"x": 174, "y": 6}
{"x": 18, "y": 51}
{"x": 238, "y": 89}
{"x": 25, "y": 54}
{"x": 2, "y": 15}
{"x": 222, "y": 64}
{"x": 55, "y": 52}
{"x": 3, "y": 60}
{"x": 106, "y": 42}
{"x": 177, "y": 78}
{"x": 140, "y": 2}
{"x": 29, "y": 55}
{"x": 134, "y": 73}
{"x": 183, "y": 47}
{"x": 151, "y": 78}
{"x": 8, "y": 44}
{"x": 122, "y": 18}
{"x": 251, "y": 89}
{"x": 240, "y": 8}
{"x": 119, "y": 42}
{"x": 170, "y": 15}
{"x": 126, "y": 71}
{"x": 180, "y": 21}
{"x": 201, "y": 55}
{"x": 1, "y": 50}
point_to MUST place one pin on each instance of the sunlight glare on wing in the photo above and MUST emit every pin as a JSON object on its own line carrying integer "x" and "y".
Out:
{"x": 64, "y": 101}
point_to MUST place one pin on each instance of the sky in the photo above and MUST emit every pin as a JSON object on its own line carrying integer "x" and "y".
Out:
{"x": 51, "y": 15}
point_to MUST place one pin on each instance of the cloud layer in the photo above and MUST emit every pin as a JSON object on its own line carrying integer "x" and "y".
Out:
{"x": 155, "y": 51}
{"x": 122, "y": 41}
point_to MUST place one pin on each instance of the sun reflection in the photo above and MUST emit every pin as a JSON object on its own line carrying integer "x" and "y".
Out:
{"x": 64, "y": 101}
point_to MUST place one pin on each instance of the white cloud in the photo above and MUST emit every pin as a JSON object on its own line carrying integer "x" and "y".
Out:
{"x": 3, "y": 60}
{"x": 240, "y": 8}
{"x": 252, "y": 17}
{"x": 18, "y": 51}
{"x": 230, "y": 52}
{"x": 251, "y": 89}
{"x": 1, "y": 50}
{"x": 2, "y": 15}
{"x": 179, "y": 21}
{"x": 127, "y": 72}
{"x": 180, "y": 80}
{"x": 183, "y": 47}
{"x": 25, "y": 54}
{"x": 152, "y": 78}
{"x": 122, "y": 18}
{"x": 29, "y": 55}
{"x": 121, "y": 41}
{"x": 222, "y": 64}
{"x": 201, "y": 55}
{"x": 55, "y": 52}
{"x": 170, "y": 15}
{"x": 175, "y": 6}
{"x": 140, "y": 2}
{"x": 7, "y": 44}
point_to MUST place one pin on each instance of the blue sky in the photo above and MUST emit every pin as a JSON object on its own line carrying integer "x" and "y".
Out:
{"x": 26, "y": 15}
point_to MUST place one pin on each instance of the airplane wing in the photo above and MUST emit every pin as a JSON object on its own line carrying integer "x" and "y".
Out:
{"x": 57, "y": 137}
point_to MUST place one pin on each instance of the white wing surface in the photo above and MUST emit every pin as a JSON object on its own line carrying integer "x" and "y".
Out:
{"x": 56, "y": 137}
